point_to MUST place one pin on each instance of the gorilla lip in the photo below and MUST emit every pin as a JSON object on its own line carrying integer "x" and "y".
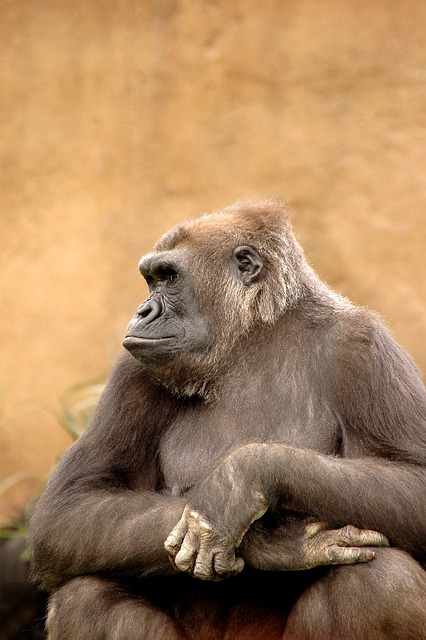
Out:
{"x": 133, "y": 341}
{"x": 153, "y": 351}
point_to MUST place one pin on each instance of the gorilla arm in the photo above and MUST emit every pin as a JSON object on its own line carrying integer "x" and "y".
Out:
{"x": 100, "y": 531}
{"x": 211, "y": 552}
{"x": 382, "y": 409}
{"x": 97, "y": 514}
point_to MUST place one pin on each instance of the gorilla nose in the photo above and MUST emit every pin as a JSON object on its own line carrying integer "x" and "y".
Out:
{"x": 150, "y": 311}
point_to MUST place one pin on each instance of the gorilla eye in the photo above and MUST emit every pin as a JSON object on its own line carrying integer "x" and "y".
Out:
{"x": 171, "y": 276}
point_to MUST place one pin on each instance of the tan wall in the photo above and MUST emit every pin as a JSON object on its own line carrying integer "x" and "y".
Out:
{"x": 119, "y": 118}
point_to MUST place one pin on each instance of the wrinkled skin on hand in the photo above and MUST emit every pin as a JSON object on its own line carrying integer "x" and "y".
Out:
{"x": 197, "y": 548}
{"x": 204, "y": 541}
{"x": 214, "y": 538}
{"x": 297, "y": 545}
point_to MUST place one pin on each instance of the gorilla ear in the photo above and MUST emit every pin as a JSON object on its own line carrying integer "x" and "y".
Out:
{"x": 249, "y": 264}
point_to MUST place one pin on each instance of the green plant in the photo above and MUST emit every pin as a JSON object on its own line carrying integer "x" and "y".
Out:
{"x": 76, "y": 407}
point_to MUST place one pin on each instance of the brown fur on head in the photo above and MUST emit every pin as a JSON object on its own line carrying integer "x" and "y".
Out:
{"x": 262, "y": 223}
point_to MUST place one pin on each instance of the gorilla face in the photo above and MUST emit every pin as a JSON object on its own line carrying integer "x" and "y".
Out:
{"x": 203, "y": 289}
{"x": 185, "y": 330}
{"x": 169, "y": 321}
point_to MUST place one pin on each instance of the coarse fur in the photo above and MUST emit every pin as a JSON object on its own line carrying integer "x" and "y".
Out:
{"x": 263, "y": 435}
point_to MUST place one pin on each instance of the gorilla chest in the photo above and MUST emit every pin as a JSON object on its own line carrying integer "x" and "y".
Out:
{"x": 199, "y": 438}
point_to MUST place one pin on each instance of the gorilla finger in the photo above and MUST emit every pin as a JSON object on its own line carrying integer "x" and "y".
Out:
{"x": 352, "y": 536}
{"x": 175, "y": 538}
{"x": 203, "y": 569}
{"x": 227, "y": 564}
{"x": 172, "y": 562}
{"x": 349, "y": 555}
{"x": 315, "y": 527}
{"x": 185, "y": 558}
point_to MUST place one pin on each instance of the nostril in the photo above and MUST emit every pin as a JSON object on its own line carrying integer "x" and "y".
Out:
{"x": 145, "y": 311}
{"x": 150, "y": 310}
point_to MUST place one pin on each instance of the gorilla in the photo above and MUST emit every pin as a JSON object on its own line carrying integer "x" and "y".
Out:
{"x": 255, "y": 468}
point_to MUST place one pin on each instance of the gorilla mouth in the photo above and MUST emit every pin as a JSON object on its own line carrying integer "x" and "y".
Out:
{"x": 150, "y": 350}
{"x": 131, "y": 342}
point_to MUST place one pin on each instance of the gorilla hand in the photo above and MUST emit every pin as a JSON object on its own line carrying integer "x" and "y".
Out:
{"x": 220, "y": 511}
{"x": 195, "y": 547}
{"x": 304, "y": 544}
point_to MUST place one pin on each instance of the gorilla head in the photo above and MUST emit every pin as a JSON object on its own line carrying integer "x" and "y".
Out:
{"x": 211, "y": 281}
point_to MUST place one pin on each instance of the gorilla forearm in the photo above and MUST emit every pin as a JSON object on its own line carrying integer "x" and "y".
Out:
{"x": 374, "y": 495}
{"x": 369, "y": 492}
{"x": 119, "y": 533}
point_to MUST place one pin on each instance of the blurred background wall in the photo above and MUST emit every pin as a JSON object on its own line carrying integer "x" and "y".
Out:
{"x": 120, "y": 118}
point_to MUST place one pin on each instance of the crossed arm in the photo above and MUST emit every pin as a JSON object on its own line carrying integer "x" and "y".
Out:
{"x": 216, "y": 531}
{"x": 82, "y": 527}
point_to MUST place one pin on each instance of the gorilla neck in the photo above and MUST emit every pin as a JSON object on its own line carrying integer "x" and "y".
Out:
{"x": 202, "y": 375}
{"x": 191, "y": 376}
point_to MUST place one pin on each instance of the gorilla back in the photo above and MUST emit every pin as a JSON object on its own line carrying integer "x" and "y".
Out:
{"x": 256, "y": 465}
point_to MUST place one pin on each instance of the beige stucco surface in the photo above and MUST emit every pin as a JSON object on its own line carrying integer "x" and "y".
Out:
{"x": 118, "y": 119}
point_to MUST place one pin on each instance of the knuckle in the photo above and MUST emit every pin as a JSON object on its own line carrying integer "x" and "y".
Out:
{"x": 223, "y": 566}
{"x": 333, "y": 553}
{"x": 204, "y": 527}
{"x": 313, "y": 528}
{"x": 350, "y": 533}
{"x": 184, "y": 558}
{"x": 171, "y": 544}
{"x": 170, "y": 552}
{"x": 202, "y": 572}
{"x": 198, "y": 523}
{"x": 351, "y": 555}
{"x": 183, "y": 565}
{"x": 340, "y": 555}
{"x": 238, "y": 566}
